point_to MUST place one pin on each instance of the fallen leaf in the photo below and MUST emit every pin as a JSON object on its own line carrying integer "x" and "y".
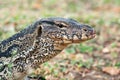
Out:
{"x": 111, "y": 70}
{"x": 106, "y": 50}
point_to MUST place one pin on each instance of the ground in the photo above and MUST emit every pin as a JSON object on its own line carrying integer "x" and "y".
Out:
{"x": 97, "y": 59}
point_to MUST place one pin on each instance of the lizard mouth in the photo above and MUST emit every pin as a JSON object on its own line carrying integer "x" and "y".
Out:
{"x": 73, "y": 38}
{"x": 64, "y": 40}
{"x": 91, "y": 35}
{"x": 79, "y": 39}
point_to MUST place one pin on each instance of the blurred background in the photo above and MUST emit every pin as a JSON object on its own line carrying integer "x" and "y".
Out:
{"x": 97, "y": 59}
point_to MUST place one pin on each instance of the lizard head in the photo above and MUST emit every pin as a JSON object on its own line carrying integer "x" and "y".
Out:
{"x": 66, "y": 31}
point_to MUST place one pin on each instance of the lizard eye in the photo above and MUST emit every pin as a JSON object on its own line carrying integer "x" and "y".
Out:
{"x": 85, "y": 29}
{"x": 61, "y": 25}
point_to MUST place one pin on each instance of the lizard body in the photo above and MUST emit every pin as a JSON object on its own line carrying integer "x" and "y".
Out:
{"x": 39, "y": 42}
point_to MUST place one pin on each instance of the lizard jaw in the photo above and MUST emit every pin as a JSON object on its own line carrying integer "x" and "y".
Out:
{"x": 78, "y": 39}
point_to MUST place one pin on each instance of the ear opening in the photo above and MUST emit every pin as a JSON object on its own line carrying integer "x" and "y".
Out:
{"x": 38, "y": 31}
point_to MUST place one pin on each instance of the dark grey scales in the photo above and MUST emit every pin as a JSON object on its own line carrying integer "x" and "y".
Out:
{"x": 22, "y": 53}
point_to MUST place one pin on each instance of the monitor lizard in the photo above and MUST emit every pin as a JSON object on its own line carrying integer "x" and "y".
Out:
{"x": 22, "y": 53}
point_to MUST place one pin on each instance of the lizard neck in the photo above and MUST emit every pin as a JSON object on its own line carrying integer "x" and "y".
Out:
{"x": 15, "y": 44}
{"x": 44, "y": 51}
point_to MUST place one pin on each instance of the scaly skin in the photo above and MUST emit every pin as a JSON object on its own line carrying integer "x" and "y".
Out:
{"x": 22, "y": 53}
